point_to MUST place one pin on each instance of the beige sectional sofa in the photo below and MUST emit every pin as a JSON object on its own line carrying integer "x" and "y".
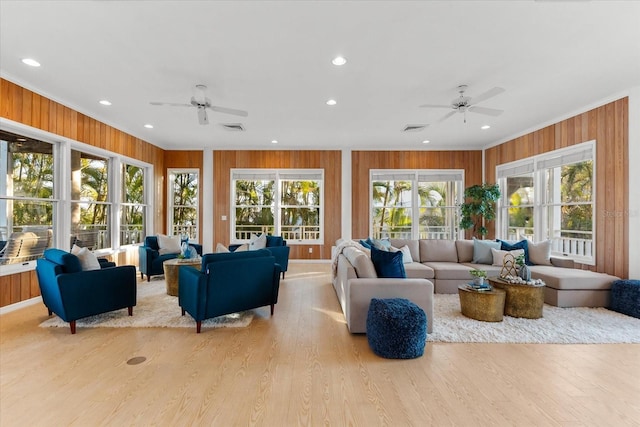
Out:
{"x": 440, "y": 266}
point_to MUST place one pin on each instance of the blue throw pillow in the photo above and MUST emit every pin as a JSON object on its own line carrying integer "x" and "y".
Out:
{"x": 482, "y": 251}
{"x": 365, "y": 243}
{"x": 522, "y": 244}
{"x": 388, "y": 264}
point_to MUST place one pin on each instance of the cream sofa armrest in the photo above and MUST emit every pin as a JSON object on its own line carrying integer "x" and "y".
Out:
{"x": 361, "y": 291}
{"x": 562, "y": 262}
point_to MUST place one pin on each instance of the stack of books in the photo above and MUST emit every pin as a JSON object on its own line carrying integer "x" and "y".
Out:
{"x": 480, "y": 288}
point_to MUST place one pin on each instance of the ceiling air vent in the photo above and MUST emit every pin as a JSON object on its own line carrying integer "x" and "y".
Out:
{"x": 413, "y": 128}
{"x": 233, "y": 126}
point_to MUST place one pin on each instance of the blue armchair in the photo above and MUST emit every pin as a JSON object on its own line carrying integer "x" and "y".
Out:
{"x": 278, "y": 248}
{"x": 150, "y": 259}
{"x": 73, "y": 294}
{"x": 229, "y": 283}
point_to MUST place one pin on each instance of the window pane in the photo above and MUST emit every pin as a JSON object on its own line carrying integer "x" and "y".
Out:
{"x": 520, "y": 220}
{"x": 438, "y": 223}
{"x": 434, "y": 194}
{"x": 392, "y": 222}
{"x": 92, "y": 230}
{"x": 392, "y": 193}
{"x": 185, "y": 189}
{"x": 185, "y": 220}
{"x": 132, "y": 224}
{"x": 133, "y": 184}
{"x": 253, "y": 220}
{"x": 300, "y": 223}
{"x": 89, "y": 177}
{"x": 576, "y": 182}
{"x": 254, "y": 193}
{"x": 299, "y": 193}
{"x": 30, "y": 169}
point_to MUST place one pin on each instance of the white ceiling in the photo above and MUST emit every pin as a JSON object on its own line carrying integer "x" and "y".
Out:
{"x": 273, "y": 59}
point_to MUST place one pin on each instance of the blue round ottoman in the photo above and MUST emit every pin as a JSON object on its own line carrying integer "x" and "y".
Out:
{"x": 396, "y": 328}
{"x": 625, "y": 297}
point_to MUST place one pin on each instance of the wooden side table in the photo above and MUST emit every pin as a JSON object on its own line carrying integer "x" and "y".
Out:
{"x": 487, "y": 306}
{"x": 522, "y": 300}
{"x": 172, "y": 270}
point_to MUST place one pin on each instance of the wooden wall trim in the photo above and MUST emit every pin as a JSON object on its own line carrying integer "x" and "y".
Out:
{"x": 608, "y": 125}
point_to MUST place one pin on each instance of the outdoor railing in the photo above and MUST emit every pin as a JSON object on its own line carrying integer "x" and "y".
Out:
{"x": 436, "y": 232}
{"x": 570, "y": 246}
{"x": 288, "y": 232}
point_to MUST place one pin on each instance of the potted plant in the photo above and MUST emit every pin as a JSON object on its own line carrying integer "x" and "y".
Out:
{"x": 479, "y": 207}
{"x": 523, "y": 270}
{"x": 478, "y": 276}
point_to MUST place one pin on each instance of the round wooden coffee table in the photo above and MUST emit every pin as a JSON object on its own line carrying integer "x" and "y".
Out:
{"x": 522, "y": 300}
{"x": 172, "y": 270}
{"x": 487, "y": 306}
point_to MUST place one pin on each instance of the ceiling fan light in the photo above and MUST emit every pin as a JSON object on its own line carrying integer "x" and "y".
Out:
{"x": 331, "y": 102}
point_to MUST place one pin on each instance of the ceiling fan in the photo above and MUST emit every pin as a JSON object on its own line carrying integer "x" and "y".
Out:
{"x": 463, "y": 103}
{"x": 201, "y": 102}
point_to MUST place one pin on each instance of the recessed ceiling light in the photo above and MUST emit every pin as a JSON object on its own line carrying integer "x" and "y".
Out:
{"x": 331, "y": 102}
{"x": 30, "y": 62}
{"x": 339, "y": 60}
{"x": 274, "y": 141}
{"x": 148, "y": 126}
{"x": 426, "y": 141}
{"x": 104, "y": 102}
{"x": 485, "y": 127}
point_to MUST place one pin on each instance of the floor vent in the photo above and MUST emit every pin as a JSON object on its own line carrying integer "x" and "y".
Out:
{"x": 413, "y": 128}
{"x": 237, "y": 127}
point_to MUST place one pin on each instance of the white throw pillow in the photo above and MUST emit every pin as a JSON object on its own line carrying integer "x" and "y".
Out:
{"x": 498, "y": 255}
{"x": 406, "y": 254}
{"x": 257, "y": 242}
{"x": 169, "y": 244}
{"x": 242, "y": 248}
{"x": 221, "y": 249}
{"x": 88, "y": 260}
{"x": 540, "y": 253}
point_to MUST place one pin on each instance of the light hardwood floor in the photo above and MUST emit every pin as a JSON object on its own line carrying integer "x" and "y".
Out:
{"x": 301, "y": 367}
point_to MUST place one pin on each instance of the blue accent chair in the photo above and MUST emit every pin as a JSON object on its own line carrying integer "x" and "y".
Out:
{"x": 278, "y": 248}
{"x": 228, "y": 283}
{"x": 73, "y": 294}
{"x": 150, "y": 259}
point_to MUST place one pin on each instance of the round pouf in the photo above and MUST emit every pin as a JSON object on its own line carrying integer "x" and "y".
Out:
{"x": 625, "y": 297}
{"x": 396, "y": 328}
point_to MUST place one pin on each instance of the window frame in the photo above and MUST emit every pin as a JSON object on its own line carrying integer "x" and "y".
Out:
{"x": 279, "y": 175}
{"x": 171, "y": 172}
{"x": 417, "y": 176}
{"x": 542, "y": 230}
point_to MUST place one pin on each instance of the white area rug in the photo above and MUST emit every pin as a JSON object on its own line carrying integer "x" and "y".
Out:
{"x": 154, "y": 309}
{"x": 559, "y": 325}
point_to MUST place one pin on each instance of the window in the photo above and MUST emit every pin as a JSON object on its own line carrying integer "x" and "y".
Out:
{"x": 27, "y": 203}
{"x": 183, "y": 203}
{"x": 90, "y": 204}
{"x": 133, "y": 208}
{"x": 416, "y": 203}
{"x": 284, "y": 202}
{"x": 561, "y": 209}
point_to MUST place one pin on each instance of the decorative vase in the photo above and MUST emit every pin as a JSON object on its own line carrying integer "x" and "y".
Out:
{"x": 525, "y": 273}
{"x": 479, "y": 281}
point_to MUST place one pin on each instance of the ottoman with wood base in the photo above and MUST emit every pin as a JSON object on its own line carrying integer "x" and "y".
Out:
{"x": 396, "y": 328}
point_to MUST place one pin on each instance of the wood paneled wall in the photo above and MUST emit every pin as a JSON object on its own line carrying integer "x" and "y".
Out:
{"x": 608, "y": 125}
{"x": 364, "y": 161}
{"x": 330, "y": 161}
{"x": 175, "y": 159}
{"x": 31, "y": 109}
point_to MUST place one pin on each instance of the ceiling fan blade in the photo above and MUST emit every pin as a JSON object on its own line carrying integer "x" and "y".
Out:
{"x": 446, "y": 116}
{"x": 202, "y": 116}
{"x": 434, "y": 106}
{"x": 487, "y": 111}
{"x": 172, "y": 104}
{"x": 229, "y": 111}
{"x": 488, "y": 94}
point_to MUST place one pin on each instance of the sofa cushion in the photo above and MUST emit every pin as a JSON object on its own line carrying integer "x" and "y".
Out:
{"x": 482, "y": 251}
{"x": 361, "y": 263}
{"x": 415, "y": 270}
{"x": 571, "y": 278}
{"x": 498, "y": 255}
{"x": 465, "y": 250}
{"x": 522, "y": 244}
{"x": 169, "y": 244}
{"x": 257, "y": 242}
{"x": 437, "y": 250}
{"x": 411, "y": 244}
{"x": 450, "y": 270}
{"x": 388, "y": 264}
{"x": 540, "y": 253}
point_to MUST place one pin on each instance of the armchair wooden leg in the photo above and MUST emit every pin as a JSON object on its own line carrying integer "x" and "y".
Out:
{"x": 283, "y": 274}
{"x": 49, "y": 310}
{"x": 182, "y": 311}
{"x": 272, "y": 306}
{"x": 72, "y": 324}
{"x": 141, "y": 275}
{"x": 148, "y": 277}
{"x": 198, "y": 326}
{"x": 130, "y": 311}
